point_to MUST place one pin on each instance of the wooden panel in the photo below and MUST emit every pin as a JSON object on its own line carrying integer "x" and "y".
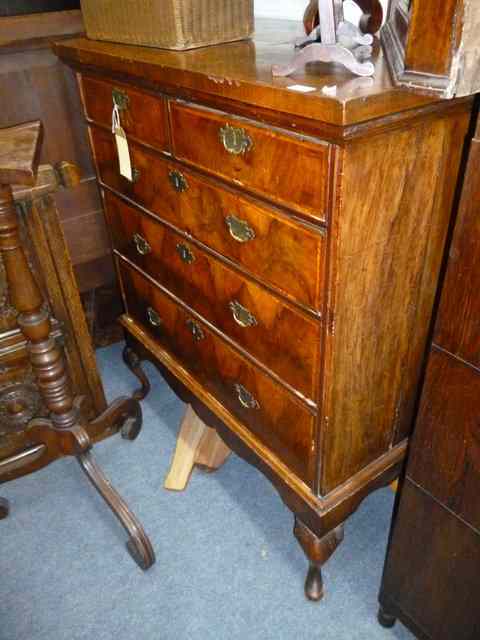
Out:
{"x": 284, "y": 340}
{"x": 458, "y": 325}
{"x": 431, "y": 36}
{"x": 445, "y": 457}
{"x": 292, "y": 171}
{"x": 386, "y": 262}
{"x": 284, "y": 253}
{"x": 431, "y": 579}
{"x": 279, "y": 421}
{"x": 143, "y": 119}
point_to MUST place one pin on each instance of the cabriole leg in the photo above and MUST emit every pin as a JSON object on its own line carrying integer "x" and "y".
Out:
{"x": 318, "y": 551}
{"x": 4, "y": 508}
{"x": 133, "y": 362}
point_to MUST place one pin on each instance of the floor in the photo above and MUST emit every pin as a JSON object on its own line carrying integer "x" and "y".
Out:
{"x": 227, "y": 565}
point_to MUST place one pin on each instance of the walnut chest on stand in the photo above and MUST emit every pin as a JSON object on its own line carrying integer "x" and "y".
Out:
{"x": 278, "y": 253}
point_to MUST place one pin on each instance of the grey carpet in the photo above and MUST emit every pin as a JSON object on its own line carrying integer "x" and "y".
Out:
{"x": 227, "y": 566}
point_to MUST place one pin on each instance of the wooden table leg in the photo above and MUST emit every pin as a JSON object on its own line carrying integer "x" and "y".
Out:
{"x": 197, "y": 444}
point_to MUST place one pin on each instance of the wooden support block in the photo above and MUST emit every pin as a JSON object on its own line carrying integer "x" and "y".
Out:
{"x": 197, "y": 444}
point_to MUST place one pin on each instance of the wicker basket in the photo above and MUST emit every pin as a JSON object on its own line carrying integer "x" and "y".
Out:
{"x": 168, "y": 24}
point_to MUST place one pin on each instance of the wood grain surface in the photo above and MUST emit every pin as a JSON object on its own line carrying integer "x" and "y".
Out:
{"x": 283, "y": 339}
{"x": 284, "y": 253}
{"x": 386, "y": 259}
{"x": 289, "y": 170}
{"x": 280, "y": 421}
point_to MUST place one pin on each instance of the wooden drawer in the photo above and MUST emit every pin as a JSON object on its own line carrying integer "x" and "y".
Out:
{"x": 284, "y": 254}
{"x": 144, "y": 117}
{"x": 445, "y": 456}
{"x": 280, "y": 337}
{"x": 289, "y": 169}
{"x": 274, "y": 415}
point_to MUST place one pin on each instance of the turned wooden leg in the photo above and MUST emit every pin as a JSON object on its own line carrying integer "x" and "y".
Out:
{"x": 318, "y": 551}
{"x": 197, "y": 444}
{"x": 133, "y": 362}
{"x": 4, "y": 508}
{"x": 385, "y": 619}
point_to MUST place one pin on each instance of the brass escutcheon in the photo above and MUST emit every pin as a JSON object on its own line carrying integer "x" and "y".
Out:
{"x": 239, "y": 229}
{"x": 120, "y": 99}
{"x": 141, "y": 244}
{"x": 153, "y": 317}
{"x": 242, "y": 315}
{"x": 235, "y": 140}
{"x": 185, "y": 254}
{"x": 245, "y": 398}
{"x": 178, "y": 181}
{"x": 195, "y": 330}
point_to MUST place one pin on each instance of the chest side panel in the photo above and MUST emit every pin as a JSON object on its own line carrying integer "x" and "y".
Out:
{"x": 393, "y": 203}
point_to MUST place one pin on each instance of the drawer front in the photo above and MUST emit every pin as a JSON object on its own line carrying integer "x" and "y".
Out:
{"x": 287, "y": 169}
{"x": 143, "y": 116}
{"x": 445, "y": 455}
{"x": 283, "y": 254}
{"x": 263, "y": 406}
{"x": 280, "y": 337}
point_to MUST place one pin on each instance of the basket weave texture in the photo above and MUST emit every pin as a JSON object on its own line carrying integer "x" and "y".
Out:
{"x": 168, "y": 24}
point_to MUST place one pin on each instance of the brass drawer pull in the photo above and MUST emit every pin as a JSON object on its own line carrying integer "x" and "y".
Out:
{"x": 135, "y": 175}
{"x": 239, "y": 229}
{"x": 120, "y": 99}
{"x": 185, "y": 254}
{"x": 195, "y": 330}
{"x": 241, "y": 315}
{"x": 153, "y": 318}
{"x": 245, "y": 398}
{"x": 235, "y": 140}
{"x": 178, "y": 181}
{"x": 141, "y": 245}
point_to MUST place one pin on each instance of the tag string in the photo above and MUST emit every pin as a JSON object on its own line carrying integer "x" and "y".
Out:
{"x": 115, "y": 118}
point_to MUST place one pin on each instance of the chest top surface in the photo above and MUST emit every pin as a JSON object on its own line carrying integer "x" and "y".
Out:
{"x": 241, "y": 72}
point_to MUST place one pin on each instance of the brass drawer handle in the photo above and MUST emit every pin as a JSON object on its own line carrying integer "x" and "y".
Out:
{"x": 120, "y": 99}
{"x": 242, "y": 315}
{"x": 178, "y": 181}
{"x": 195, "y": 330}
{"x": 239, "y": 229}
{"x": 141, "y": 244}
{"x": 135, "y": 175}
{"x": 235, "y": 140}
{"x": 245, "y": 398}
{"x": 153, "y": 317}
{"x": 185, "y": 254}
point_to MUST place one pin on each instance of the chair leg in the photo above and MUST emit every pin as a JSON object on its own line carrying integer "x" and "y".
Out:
{"x": 4, "y": 508}
{"x": 138, "y": 544}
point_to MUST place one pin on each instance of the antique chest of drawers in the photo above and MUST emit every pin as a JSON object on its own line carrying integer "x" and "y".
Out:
{"x": 278, "y": 254}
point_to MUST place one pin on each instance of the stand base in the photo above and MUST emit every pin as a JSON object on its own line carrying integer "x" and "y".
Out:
{"x": 385, "y": 620}
{"x": 197, "y": 444}
{"x": 318, "y": 52}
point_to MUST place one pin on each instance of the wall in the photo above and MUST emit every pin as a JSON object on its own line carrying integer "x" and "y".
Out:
{"x": 293, "y": 9}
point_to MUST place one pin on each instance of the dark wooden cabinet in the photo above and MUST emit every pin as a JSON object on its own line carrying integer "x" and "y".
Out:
{"x": 432, "y": 578}
{"x": 278, "y": 254}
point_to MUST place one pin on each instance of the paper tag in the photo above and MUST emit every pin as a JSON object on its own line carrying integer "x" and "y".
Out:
{"x": 301, "y": 88}
{"x": 123, "y": 153}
